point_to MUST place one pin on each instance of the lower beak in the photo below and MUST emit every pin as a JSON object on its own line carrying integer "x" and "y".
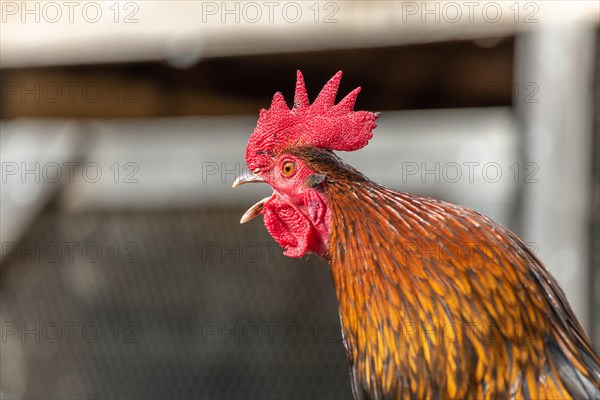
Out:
{"x": 247, "y": 177}
{"x": 254, "y": 211}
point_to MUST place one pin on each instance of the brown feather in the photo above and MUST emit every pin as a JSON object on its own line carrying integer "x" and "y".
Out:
{"x": 437, "y": 300}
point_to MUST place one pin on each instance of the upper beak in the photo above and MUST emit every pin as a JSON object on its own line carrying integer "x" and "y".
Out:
{"x": 247, "y": 177}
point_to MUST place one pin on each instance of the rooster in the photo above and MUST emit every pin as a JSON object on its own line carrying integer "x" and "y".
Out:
{"x": 435, "y": 299}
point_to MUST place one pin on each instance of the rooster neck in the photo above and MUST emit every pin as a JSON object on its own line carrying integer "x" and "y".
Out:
{"x": 409, "y": 271}
{"x": 372, "y": 231}
{"x": 382, "y": 293}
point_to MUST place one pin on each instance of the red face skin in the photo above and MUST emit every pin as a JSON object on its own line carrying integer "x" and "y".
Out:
{"x": 296, "y": 215}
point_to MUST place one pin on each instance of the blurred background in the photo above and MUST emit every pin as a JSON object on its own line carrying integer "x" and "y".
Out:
{"x": 124, "y": 271}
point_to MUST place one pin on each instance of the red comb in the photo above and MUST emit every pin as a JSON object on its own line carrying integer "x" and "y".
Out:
{"x": 322, "y": 124}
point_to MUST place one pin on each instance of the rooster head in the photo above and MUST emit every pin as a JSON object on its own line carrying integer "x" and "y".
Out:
{"x": 297, "y": 214}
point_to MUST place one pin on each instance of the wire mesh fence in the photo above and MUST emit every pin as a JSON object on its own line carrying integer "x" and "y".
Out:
{"x": 165, "y": 304}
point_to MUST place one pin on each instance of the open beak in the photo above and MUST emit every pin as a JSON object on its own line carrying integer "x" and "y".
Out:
{"x": 255, "y": 210}
{"x": 247, "y": 177}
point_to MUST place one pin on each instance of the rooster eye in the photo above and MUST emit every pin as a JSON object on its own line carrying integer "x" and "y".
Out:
{"x": 288, "y": 168}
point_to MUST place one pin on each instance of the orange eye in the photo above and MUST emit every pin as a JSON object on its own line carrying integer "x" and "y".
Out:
{"x": 288, "y": 168}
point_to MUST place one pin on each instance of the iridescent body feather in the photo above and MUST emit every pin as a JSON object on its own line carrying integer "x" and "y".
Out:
{"x": 437, "y": 300}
